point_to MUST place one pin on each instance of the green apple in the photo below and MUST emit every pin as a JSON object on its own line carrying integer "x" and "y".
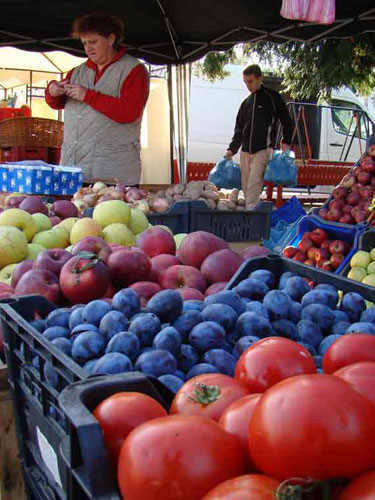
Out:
{"x": 112, "y": 212}
{"x": 42, "y": 222}
{"x": 6, "y": 273}
{"x": 67, "y": 224}
{"x": 20, "y": 219}
{"x": 120, "y": 234}
{"x": 166, "y": 228}
{"x": 33, "y": 250}
{"x": 369, "y": 280}
{"x": 179, "y": 238}
{"x": 372, "y": 254}
{"x": 357, "y": 273}
{"x": 85, "y": 227}
{"x": 371, "y": 268}
{"x": 54, "y": 238}
{"x": 360, "y": 259}
{"x": 139, "y": 221}
{"x": 13, "y": 245}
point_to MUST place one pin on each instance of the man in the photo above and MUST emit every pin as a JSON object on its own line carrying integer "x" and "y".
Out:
{"x": 255, "y": 132}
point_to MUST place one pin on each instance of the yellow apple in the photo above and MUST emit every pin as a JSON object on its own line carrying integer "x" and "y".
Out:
{"x": 357, "y": 273}
{"x": 6, "y": 273}
{"x": 20, "y": 219}
{"x": 42, "y": 222}
{"x": 372, "y": 254}
{"x": 13, "y": 245}
{"x": 139, "y": 221}
{"x": 360, "y": 259}
{"x": 33, "y": 250}
{"x": 54, "y": 238}
{"x": 68, "y": 224}
{"x": 112, "y": 212}
{"x": 120, "y": 234}
{"x": 85, "y": 227}
{"x": 179, "y": 238}
{"x": 369, "y": 280}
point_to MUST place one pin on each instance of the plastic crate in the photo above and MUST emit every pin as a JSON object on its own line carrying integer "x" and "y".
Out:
{"x": 278, "y": 265}
{"x": 366, "y": 242}
{"x": 176, "y": 218}
{"x": 19, "y": 154}
{"x": 88, "y": 467}
{"x": 6, "y": 113}
{"x": 231, "y": 225}
{"x": 335, "y": 231}
{"x": 39, "y": 421}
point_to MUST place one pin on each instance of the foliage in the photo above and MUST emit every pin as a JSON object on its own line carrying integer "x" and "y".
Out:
{"x": 212, "y": 66}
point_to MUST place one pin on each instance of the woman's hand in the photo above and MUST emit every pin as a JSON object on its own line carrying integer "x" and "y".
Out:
{"x": 56, "y": 89}
{"x": 77, "y": 92}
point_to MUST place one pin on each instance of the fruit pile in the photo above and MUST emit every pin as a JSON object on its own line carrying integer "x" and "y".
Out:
{"x": 352, "y": 198}
{"x": 317, "y": 249}
{"x": 362, "y": 267}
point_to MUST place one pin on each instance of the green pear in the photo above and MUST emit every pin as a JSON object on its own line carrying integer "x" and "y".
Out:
{"x": 138, "y": 222}
{"x": 369, "y": 280}
{"x": 179, "y": 238}
{"x": 360, "y": 259}
{"x": 371, "y": 268}
{"x": 120, "y": 234}
{"x": 357, "y": 274}
{"x": 33, "y": 250}
{"x": 372, "y": 254}
{"x": 42, "y": 222}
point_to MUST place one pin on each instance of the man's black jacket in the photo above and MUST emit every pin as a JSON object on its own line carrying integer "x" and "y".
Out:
{"x": 257, "y": 120}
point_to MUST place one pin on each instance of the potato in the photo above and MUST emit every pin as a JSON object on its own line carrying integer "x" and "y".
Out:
{"x": 222, "y": 195}
{"x": 240, "y": 208}
{"x": 233, "y": 196}
{"x": 179, "y": 189}
{"x": 210, "y": 203}
{"x": 222, "y": 205}
{"x": 241, "y": 202}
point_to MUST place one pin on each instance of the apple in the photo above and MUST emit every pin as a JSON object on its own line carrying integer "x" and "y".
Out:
{"x": 372, "y": 254}
{"x": 360, "y": 259}
{"x": 111, "y": 212}
{"x": 138, "y": 222}
{"x": 356, "y": 170}
{"x": 346, "y": 219}
{"x": 355, "y": 189}
{"x": 118, "y": 233}
{"x": 366, "y": 191}
{"x": 52, "y": 259}
{"x": 111, "y": 290}
{"x": 165, "y": 228}
{"x": 179, "y": 238}
{"x": 13, "y": 245}
{"x": 33, "y": 205}
{"x": 20, "y": 269}
{"x": 367, "y": 164}
{"x": 323, "y": 213}
{"x": 372, "y": 182}
{"x": 221, "y": 265}
{"x": 6, "y": 273}
{"x": 180, "y": 276}
{"x": 128, "y": 266}
{"x": 353, "y": 198}
{"x": 84, "y": 227}
{"x": 334, "y": 214}
{"x": 197, "y": 245}
{"x": 96, "y": 245}
{"x": 68, "y": 224}
{"x": 371, "y": 267}
{"x": 304, "y": 244}
{"x": 340, "y": 192}
{"x": 326, "y": 243}
{"x": 337, "y": 246}
{"x": 55, "y": 220}
{"x": 290, "y": 252}
{"x": 33, "y": 250}
{"x": 310, "y": 262}
{"x": 300, "y": 256}
{"x": 65, "y": 209}
{"x": 322, "y": 254}
{"x": 20, "y": 219}
{"x": 317, "y": 236}
{"x": 347, "y": 209}
{"x": 369, "y": 280}
{"x": 255, "y": 251}
{"x": 54, "y": 238}
{"x": 364, "y": 177}
{"x": 155, "y": 241}
{"x": 145, "y": 290}
{"x": 41, "y": 282}
{"x": 84, "y": 278}
{"x": 190, "y": 294}
{"x": 357, "y": 274}
{"x": 215, "y": 288}
{"x": 337, "y": 259}
{"x": 361, "y": 216}
{"x": 348, "y": 181}
{"x": 160, "y": 263}
{"x": 14, "y": 200}
{"x": 311, "y": 253}
{"x": 337, "y": 203}
{"x": 324, "y": 264}
{"x": 42, "y": 222}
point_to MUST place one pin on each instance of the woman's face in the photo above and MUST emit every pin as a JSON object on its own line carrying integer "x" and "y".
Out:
{"x": 97, "y": 47}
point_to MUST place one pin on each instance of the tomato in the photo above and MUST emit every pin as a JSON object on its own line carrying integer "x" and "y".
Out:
{"x": 236, "y": 420}
{"x": 362, "y": 377}
{"x": 361, "y": 488}
{"x": 252, "y": 487}
{"x": 270, "y": 360}
{"x": 349, "y": 349}
{"x": 120, "y": 414}
{"x": 207, "y": 395}
{"x": 177, "y": 458}
{"x": 312, "y": 426}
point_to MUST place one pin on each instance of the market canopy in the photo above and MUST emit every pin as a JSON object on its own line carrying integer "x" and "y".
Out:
{"x": 174, "y": 31}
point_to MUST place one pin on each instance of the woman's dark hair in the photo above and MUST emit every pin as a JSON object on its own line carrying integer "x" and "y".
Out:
{"x": 253, "y": 69}
{"x": 99, "y": 22}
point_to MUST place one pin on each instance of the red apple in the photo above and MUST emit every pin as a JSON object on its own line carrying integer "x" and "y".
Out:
{"x": 338, "y": 204}
{"x": 160, "y": 263}
{"x": 348, "y": 181}
{"x": 128, "y": 266}
{"x": 364, "y": 177}
{"x": 322, "y": 254}
{"x": 346, "y": 219}
{"x": 367, "y": 164}
{"x": 334, "y": 215}
{"x": 311, "y": 253}
{"x": 54, "y": 220}
{"x": 310, "y": 262}
{"x": 155, "y": 241}
{"x": 326, "y": 244}
{"x": 33, "y": 205}
{"x": 254, "y": 251}
{"x": 337, "y": 246}
{"x": 317, "y": 236}
{"x": 65, "y": 209}
{"x": 41, "y": 282}
{"x": 366, "y": 191}
{"x": 324, "y": 264}
{"x": 356, "y": 170}
{"x": 179, "y": 276}
{"x": 221, "y": 265}
{"x": 145, "y": 290}
{"x": 371, "y": 150}
{"x": 340, "y": 192}
{"x": 96, "y": 245}
{"x": 290, "y": 252}
{"x": 114, "y": 246}
{"x": 361, "y": 216}
{"x": 353, "y": 198}
{"x": 304, "y": 244}
{"x": 190, "y": 294}
{"x": 355, "y": 189}
{"x": 372, "y": 182}
{"x": 215, "y": 288}
{"x": 337, "y": 259}
{"x": 111, "y": 290}
{"x": 20, "y": 269}
{"x": 84, "y": 278}
{"x": 52, "y": 259}
{"x": 197, "y": 245}
{"x": 14, "y": 201}
{"x": 300, "y": 256}
{"x": 347, "y": 209}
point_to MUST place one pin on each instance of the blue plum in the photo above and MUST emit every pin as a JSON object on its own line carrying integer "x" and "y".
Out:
{"x": 264, "y": 275}
{"x": 251, "y": 288}
{"x": 368, "y": 315}
{"x": 193, "y": 305}
{"x": 186, "y": 322}
{"x": 228, "y": 297}
{"x": 296, "y": 287}
{"x": 320, "y": 296}
{"x": 58, "y": 317}
{"x": 39, "y": 324}
{"x": 75, "y": 317}
{"x": 244, "y": 343}
{"x": 89, "y": 366}
{"x": 353, "y": 305}
{"x": 285, "y": 328}
{"x": 180, "y": 374}
{"x": 126, "y": 343}
{"x": 257, "y": 308}
{"x": 320, "y": 314}
{"x": 284, "y": 278}
{"x": 278, "y": 304}
{"x": 112, "y": 363}
{"x": 168, "y": 339}
{"x": 361, "y": 327}
{"x": 222, "y": 360}
{"x": 64, "y": 344}
{"x": 145, "y": 328}
{"x": 88, "y": 345}
{"x": 94, "y": 311}
{"x": 55, "y": 332}
{"x": 326, "y": 343}
{"x": 309, "y": 347}
{"x": 83, "y": 327}
{"x": 207, "y": 335}
{"x": 223, "y": 314}
{"x": 156, "y": 362}
{"x": 340, "y": 328}
{"x": 310, "y": 332}
{"x": 172, "y": 382}
{"x": 167, "y": 305}
{"x": 113, "y": 322}
{"x": 200, "y": 369}
{"x": 295, "y": 312}
{"x": 340, "y": 316}
{"x": 127, "y": 301}
{"x": 187, "y": 358}
{"x": 250, "y": 323}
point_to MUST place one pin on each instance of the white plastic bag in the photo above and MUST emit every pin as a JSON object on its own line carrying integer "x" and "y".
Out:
{"x": 316, "y": 11}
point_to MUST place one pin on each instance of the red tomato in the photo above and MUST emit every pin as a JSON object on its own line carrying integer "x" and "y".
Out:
{"x": 252, "y": 487}
{"x": 362, "y": 377}
{"x": 207, "y": 395}
{"x": 361, "y": 488}
{"x": 177, "y": 457}
{"x": 236, "y": 420}
{"x": 270, "y": 360}
{"x": 312, "y": 426}
{"x": 121, "y": 413}
{"x": 349, "y": 349}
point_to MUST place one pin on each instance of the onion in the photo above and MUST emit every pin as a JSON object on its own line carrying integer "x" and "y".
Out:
{"x": 90, "y": 199}
{"x": 120, "y": 186}
{"x": 78, "y": 195}
{"x": 143, "y": 192}
{"x": 159, "y": 204}
{"x": 98, "y": 186}
{"x": 348, "y": 181}
{"x": 80, "y": 204}
{"x": 142, "y": 205}
{"x": 132, "y": 195}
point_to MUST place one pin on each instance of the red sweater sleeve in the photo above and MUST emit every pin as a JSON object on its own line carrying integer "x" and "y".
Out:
{"x": 129, "y": 106}
{"x": 59, "y": 101}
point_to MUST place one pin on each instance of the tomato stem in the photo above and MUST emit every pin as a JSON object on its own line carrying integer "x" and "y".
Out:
{"x": 205, "y": 394}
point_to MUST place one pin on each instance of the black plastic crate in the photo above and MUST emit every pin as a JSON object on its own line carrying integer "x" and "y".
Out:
{"x": 278, "y": 265}
{"x": 231, "y": 225}
{"x": 88, "y": 468}
{"x": 176, "y": 218}
{"x": 39, "y": 421}
{"x": 366, "y": 242}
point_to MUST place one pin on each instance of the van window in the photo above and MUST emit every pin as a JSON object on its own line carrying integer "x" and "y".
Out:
{"x": 344, "y": 119}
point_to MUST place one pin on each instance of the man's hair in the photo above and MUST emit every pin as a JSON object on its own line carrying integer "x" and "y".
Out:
{"x": 101, "y": 23}
{"x": 253, "y": 69}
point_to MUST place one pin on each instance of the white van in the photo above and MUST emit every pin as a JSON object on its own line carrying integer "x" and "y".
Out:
{"x": 332, "y": 129}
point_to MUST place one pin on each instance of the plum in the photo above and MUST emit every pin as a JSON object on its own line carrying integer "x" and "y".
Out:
{"x": 326, "y": 343}
{"x": 257, "y": 308}
{"x": 321, "y": 296}
{"x": 228, "y": 297}
{"x": 200, "y": 369}
{"x": 64, "y": 344}
{"x": 319, "y": 314}
{"x": 284, "y": 278}
{"x": 193, "y": 305}
{"x": 341, "y": 316}
{"x": 171, "y": 381}
{"x": 168, "y": 339}
{"x": 94, "y": 311}
{"x": 55, "y": 332}
{"x": 264, "y": 275}
{"x": 252, "y": 288}
{"x": 112, "y": 363}
{"x": 368, "y": 315}
{"x": 285, "y": 328}
{"x": 156, "y": 362}
{"x": 340, "y": 328}
{"x": 167, "y": 305}
{"x": 88, "y": 345}
{"x": 250, "y": 323}
{"x": 39, "y": 324}
{"x": 296, "y": 287}
{"x": 125, "y": 343}
{"x": 58, "y": 317}
{"x": 223, "y": 314}
{"x": 295, "y": 312}
{"x": 244, "y": 343}
{"x": 309, "y": 332}
{"x": 353, "y": 305}
{"x": 361, "y": 327}
{"x": 145, "y": 328}
{"x": 75, "y": 317}
{"x": 207, "y": 335}
{"x": 222, "y": 360}
{"x": 186, "y": 322}
{"x": 187, "y": 358}
{"x": 127, "y": 301}
{"x": 278, "y": 304}
{"x": 113, "y": 322}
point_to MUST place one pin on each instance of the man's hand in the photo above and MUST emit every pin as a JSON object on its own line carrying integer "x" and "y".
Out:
{"x": 284, "y": 147}
{"x": 56, "y": 89}
{"x": 228, "y": 154}
{"x": 77, "y": 92}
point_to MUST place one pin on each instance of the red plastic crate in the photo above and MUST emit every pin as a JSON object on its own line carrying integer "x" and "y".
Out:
{"x": 20, "y": 154}
{"x": 6, "y": 113}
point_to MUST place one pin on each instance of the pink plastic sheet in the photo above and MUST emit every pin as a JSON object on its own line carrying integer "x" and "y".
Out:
{"x": 317, "y": 11}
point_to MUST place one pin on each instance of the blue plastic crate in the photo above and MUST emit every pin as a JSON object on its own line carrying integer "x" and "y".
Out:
{"x": 366, "y": 242}
{"x": 176, "y": 218}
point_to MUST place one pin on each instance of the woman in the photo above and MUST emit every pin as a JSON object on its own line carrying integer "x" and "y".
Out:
{"x": 103, "y": 99}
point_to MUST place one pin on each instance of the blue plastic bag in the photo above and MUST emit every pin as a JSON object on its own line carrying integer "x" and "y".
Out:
{"x": 281, "y": 169}
{"x": 226, "y": 174}
{"x": 289, "y": 212}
